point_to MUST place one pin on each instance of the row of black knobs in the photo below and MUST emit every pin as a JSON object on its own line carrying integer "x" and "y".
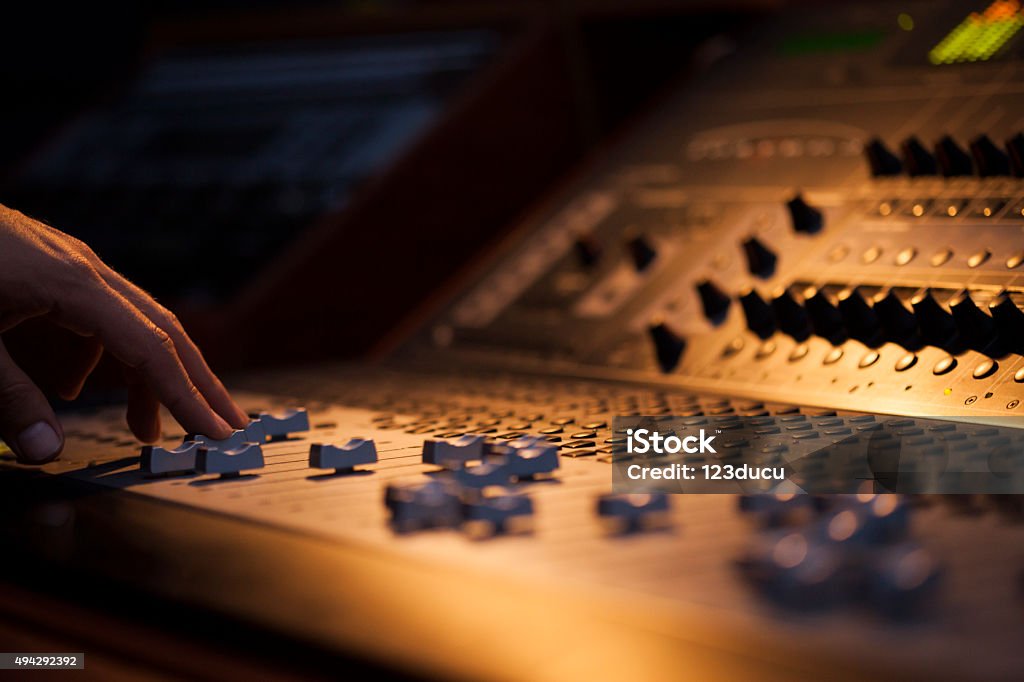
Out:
{"x": 948, "y": 158}
{"x": 873, "y": 322}
{"x": 761, "y": 260}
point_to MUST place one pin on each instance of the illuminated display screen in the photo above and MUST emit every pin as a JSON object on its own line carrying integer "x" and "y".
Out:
{"x": 980, "y": 36}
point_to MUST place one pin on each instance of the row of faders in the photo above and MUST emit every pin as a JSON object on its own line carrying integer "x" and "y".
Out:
{"x": 477, "y": 488}
{"x": 243, "y": 449}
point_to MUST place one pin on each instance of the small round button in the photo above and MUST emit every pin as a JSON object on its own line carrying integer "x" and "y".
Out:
{"x": 906, "y": 362}
{"x": 1019, "y": 376}
{"x": 941, "y": 257}
{"x": 766, "y": 349}
{"x": 834, "y": 356}
{"x": 799, "y": 352}
{"x": 733, "y": 347}
{"x": 1015, "y": 260}
{"x": 870, "y": 358}
{"x": 944, "y": 366}
{"x": 978, "y": 258}
{"x": 871, "y": 255}
{"x": 985, "y": 368}
{"x": 838, "y": 253}
{"x": 906, "y": 255}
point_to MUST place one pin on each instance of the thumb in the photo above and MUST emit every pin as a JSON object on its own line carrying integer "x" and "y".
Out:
{"x": 27, "y": 422}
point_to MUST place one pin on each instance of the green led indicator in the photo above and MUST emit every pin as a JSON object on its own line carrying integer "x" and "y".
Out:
{"x": 979, "y": 36}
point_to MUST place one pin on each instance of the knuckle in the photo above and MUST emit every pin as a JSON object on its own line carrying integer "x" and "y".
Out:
{"x": 170, "y": 320}
{"x": 156, "y": 352}
{"x": 81, "y": 250}
{"x": 161, "y": 342}
{"x": 80, "y": 270}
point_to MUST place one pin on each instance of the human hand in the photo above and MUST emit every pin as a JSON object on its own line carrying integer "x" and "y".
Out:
{"x": 85, "y": 308}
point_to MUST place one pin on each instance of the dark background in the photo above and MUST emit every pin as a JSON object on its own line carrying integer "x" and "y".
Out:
{"x": 567, "y": 77}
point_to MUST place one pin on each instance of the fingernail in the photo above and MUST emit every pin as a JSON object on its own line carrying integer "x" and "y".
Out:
{"x": 39, "y": 443}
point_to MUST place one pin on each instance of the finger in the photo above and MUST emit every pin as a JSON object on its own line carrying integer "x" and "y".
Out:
{"x": 143, "y": 415}
{"x": 27, "y": 423}
{"x": 191, "y": 357}
{"x": 131, "y": 337}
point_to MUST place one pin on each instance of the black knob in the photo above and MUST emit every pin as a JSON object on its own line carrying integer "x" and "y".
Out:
{"x": 588, "y": 250}
{"x": 713, "y": 300}
{"x": 881, "y": 161}
{"x": 760, "y": 318}
{"x": 898, "y": 322}
{"x": 760, "y": 259}
{"x": 917, "y": 159}
{"x": 935, "y": 322}
{"x": 826, "y": 320}
{"x": 1015, "y": 150}
{"x": 806, "y": 218}
{"x": 953, "y": 160}
{"x": 641, "y": 251}
{"x": 976, "y": 328}
{"x": 860, "y": 318}
{"x": 988, "y": 158}
{"x": 668, "y": 345}
{"x": 1009, "y": 321}
{"x": 792, "y": 317}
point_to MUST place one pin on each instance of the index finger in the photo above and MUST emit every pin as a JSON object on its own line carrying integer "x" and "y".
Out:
{"x": 140, "y": 344}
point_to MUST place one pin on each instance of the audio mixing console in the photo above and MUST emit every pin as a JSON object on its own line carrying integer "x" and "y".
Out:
{"x": 826, "y": 232}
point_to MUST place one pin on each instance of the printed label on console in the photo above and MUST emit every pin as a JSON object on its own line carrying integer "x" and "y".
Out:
{"x": 824, "y": 454}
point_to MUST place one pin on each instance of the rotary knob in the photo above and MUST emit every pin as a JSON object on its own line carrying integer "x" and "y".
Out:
{"x": 760, "y": 259}
{"x": 1009, "y": 320}
{"x": 976, "y": 328}
{"x": 935, "y": 322}
{"x": 668, "y": 345}
{"x": 642, "y": 252}
{"x": 860, "y": 319}
{"x": 713, "y": 300}
{"x": 898, "y": 322}
{"x": 826, "y": 319}
{"x": 989, "y": 159}
{"x": 760, "y": 318}
{"x": 953, "y": 160}
{"x": 791, "y": 315}
{"x": 805, "y": 218}
{"x": 881, "y": 161}
{"x": 918, "y": 160}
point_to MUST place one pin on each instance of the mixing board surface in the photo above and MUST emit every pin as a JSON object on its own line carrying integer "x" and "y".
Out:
{"x": 693, "y": 557}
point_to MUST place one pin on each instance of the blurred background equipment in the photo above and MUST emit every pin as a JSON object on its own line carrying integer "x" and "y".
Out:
{"x": 294, "y": 139}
